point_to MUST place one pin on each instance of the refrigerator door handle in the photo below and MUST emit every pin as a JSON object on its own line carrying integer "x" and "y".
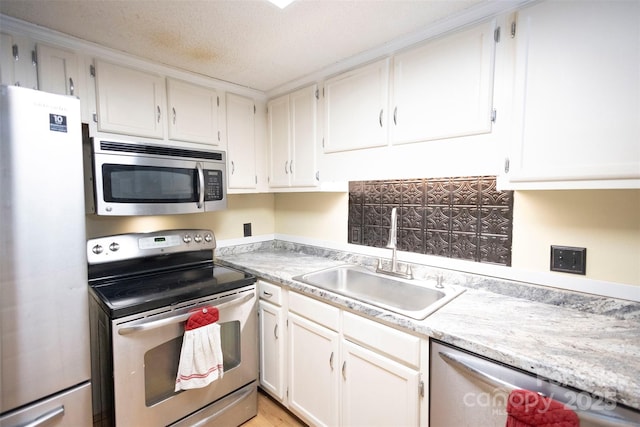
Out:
{"x": 46, "y": 417}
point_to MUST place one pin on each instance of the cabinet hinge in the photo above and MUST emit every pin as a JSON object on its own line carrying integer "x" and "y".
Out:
{"x": 92, "y": 70}
{"x": 15, "y": 52}
{"x": 506, "y": 165}
{"x": 34, "y": 58}
{"x": 494, "y": 115}
{"x": 513, "y": 29}
{"x": 496, "y": 35}
{"x": 421, "y": 389}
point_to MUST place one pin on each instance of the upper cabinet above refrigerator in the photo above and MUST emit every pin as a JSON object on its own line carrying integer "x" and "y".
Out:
{"x": 576, "y": 120}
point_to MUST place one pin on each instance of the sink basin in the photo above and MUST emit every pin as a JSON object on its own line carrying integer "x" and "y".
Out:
{"x": 413, "y": 298}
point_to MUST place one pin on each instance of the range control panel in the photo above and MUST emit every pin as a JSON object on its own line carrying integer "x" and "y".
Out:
{"x": 137, "y": 245}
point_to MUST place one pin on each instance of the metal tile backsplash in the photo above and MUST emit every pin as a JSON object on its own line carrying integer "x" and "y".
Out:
{"x": 463, "y": 217}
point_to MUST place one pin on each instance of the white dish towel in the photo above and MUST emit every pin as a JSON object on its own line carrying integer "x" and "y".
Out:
{"x": 201, "y": 360}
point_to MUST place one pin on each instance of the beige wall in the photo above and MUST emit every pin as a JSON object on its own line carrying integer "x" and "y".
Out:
{"x": 606, "y": 222}
{"x": 320, "y": 216}
{"x": 258, "y": 209}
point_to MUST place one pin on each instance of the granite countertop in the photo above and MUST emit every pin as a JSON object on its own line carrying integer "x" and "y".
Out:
{"x": 590, "y": 343}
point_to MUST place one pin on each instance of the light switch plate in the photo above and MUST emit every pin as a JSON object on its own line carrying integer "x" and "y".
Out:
{"x": 569, "y": 259}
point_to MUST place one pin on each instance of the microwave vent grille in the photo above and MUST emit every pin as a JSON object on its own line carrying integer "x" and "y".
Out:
{"x": 160, "y": 151}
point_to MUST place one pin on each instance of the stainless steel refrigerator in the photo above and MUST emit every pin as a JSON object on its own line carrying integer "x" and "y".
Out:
{"x": 45, "y": 366}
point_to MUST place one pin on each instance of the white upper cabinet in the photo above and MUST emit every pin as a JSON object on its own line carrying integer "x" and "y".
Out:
{"x": 130, "y": 101}
{"x": 58, "y": 70}
{"x": 193, "y": 113}
{"x": 356, "y": 108}
{"x": 577, "y": 96}
{"x": 292, "y": 122}
{"x": 17, "y": 61}
{"x": 142, "y": 103}
{"x": 444, "y": 88}
{"x": 241, "y": 142}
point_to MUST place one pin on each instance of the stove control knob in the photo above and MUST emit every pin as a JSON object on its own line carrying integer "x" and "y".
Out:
{"x": 113, "y": 247}
{"x": 208, "y": 238}
{"x": 97, "y": 249}
{"x": 198, "y": 238}
{"x": 186, "y": 238}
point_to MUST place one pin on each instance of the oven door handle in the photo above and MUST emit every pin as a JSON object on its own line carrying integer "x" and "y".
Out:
{"x": 145, "y": 326}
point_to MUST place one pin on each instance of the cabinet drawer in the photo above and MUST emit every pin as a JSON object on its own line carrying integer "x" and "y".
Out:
{"x": 317, "y": 311}
{"x": 398, "y": 345}
{"x": 270, "y": 292}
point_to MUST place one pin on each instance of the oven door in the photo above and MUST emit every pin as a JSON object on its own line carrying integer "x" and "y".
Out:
{"x": 146, "y": 352}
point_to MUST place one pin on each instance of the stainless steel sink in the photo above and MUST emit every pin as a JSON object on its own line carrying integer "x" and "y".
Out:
{"x": 413, "y": 298}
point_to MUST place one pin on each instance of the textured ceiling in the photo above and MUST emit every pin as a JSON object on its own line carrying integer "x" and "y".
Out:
{"x": 247, "y": 42}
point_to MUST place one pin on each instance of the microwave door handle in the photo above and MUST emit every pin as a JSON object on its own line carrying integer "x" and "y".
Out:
{"x": 200, "y": 185}
{"x": 145, "y": 326}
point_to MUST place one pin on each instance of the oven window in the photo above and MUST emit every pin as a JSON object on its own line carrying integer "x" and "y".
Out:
{"x": 148, "y": 184}
{"x": 161, "y": 362}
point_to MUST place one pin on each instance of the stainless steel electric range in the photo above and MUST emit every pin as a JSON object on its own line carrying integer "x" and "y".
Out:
{"x": 143, "y": 288}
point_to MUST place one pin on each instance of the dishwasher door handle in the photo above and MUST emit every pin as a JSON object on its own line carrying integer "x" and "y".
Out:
{"x": 598, "y": 417}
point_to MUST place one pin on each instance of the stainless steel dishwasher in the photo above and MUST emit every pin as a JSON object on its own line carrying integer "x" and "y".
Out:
{"x": 467, "y": 390}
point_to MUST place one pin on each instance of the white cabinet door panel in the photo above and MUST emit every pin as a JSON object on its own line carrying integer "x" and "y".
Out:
{"x": 577, "y": 93}
{"x": 444, "y": 89}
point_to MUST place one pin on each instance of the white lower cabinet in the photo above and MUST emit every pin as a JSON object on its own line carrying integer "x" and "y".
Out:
{"x": 273, "y": 338}
{"x": 340, "y": 369}
{"x": 313, "y": 371}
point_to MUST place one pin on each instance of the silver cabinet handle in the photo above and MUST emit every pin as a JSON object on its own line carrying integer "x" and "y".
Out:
{"x": 286, "y": 166}
{"x": 344, "y": 369}
{"x": 233, "y": 167}
{"x": 291, "y": 166}
{"x": 395, "y": 116}
{"x": 267, "y": 294}
{"x": 44, "y": 418}
{"x": 72, "y": 88}
{"x": 146, "y": 325}
{"x": 380, "y": 117}
{"x": 173, "y": 109}
{"x": 275, "y": 331}
{"x": 158, "y": 115}
{"x": 597, "y": 417}
{"x": 331, "y": 361}
{"x": 201, "y": 185}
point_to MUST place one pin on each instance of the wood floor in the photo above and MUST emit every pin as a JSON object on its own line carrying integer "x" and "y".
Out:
{"x": 272, "y": 414}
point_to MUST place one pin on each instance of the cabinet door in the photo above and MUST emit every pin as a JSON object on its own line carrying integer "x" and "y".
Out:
{"x": 444, "y": 89}
{"x": 304, "y": 110}
{"x": 17, "y": 64}
{"x": 577, "y": 94}
{"x": 130, "y": 101}
{"x": 272, "y": 351}
{"x": 241, "y": 145}
{"x": 7, "y": 60}
{"x": 313, "y": 371}
{"x": 377, "y": 391}
{"x": 193, "y": 112}
{"x": 279, "y": 139}
{"x": 355, "y": 108}
{"x": 58, "y": 70}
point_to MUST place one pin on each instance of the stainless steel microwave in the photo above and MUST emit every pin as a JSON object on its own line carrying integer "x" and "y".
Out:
{"x": 124, "y": 178}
